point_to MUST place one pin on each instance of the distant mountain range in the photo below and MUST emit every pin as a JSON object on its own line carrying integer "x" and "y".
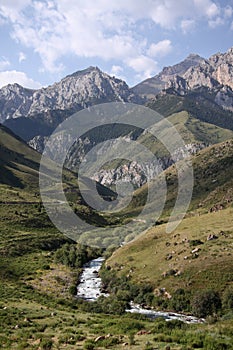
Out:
{"x": 38, "y": 112}
{"x": 150, "y": 87}
{"x": 202, "y": 88}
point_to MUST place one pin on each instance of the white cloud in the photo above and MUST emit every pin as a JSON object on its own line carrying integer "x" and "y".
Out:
{"x": 144, "y": 66}
{"x": 213, "y": 23}
{"x": 102, "y": 28}
{"x": 4, "y": 63}
{"x": 11, "y": 77}
{"x": 22, "y": 57}
{"x": 187, "y": 25}
{"x": 117, "y": 71}
{"x": 162, "y": 48}
{"x": 228, "y": 11}
{"x": 11, "y": 8}
{"x": 212, "y": 10}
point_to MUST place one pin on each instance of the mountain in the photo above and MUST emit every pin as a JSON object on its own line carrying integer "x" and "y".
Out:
{"x": 19, "y": 163}
{"x": 199, "y": 88}
{"x": 214, "y": 74}
{"x": 19, "y": 176}
{"x": 200, "y": 103}
{"x": 192, "y": 75}
{"x": 37, "y": 112}
{"x": 33, "y": 114}
{"x": 196, "y": 135}
{"x": 198, "y": 254}
{"x": 217, "y": 70}
{"x": 150, "y": 87}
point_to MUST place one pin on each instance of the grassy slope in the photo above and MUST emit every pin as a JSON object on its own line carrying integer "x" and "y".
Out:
{"x": 146, "y": 257}
{"x": 212, "y": 168}
{"x": 36, "y": 308}
{"x": 199, "y": 103}
{"x": 191, "y": 129}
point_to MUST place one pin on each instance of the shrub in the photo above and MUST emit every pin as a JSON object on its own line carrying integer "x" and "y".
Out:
{"x": 46, "y": 344}
{"x": 228, "y": 298}
{"x": 89, "y": 345}
{"x": 180, "y": 301}
{"x": 73, "y": 290}
{"x": 206, "y": 303}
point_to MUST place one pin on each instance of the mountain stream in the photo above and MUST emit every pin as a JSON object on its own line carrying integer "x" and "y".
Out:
{"x": 89, "y": 288}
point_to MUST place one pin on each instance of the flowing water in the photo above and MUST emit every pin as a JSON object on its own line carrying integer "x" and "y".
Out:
{"x": 89, "y": 289}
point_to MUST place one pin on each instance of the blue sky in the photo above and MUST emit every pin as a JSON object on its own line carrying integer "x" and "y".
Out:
{"x": 44, "y": 40}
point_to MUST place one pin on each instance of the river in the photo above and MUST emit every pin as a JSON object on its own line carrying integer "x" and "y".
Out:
{"x": 89, "y": 289}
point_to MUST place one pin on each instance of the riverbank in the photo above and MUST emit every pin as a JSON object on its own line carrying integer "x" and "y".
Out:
{"x": 89, "y": 289}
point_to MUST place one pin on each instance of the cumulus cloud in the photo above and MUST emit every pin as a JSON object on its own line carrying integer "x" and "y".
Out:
{"x": 11, "y": 8}
{"x": 117, "y": 71}
{"x": 22, "y": 57}
{"x": 228, "y": 11}
{"x": 144, "y": 66}
{"x": 103, "y": 29}
{"x": 213, "y": 23}
{"x": 187, "y": 25}
{"x": 162, "y": 48}
{"x": 212, "y": 10}
{"x": 11, "y": 77}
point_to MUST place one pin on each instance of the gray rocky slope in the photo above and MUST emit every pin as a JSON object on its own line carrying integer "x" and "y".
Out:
{"x": 215, "y": 73}
{"x": 150, "y": 87}
{"x": 74, "y": 92}
{"x": 33, "y": 114}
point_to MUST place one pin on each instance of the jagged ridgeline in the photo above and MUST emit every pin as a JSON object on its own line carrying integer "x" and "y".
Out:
{"x": 194, "y": 95}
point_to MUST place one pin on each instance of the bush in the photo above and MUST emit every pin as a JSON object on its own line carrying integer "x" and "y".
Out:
{"x": 46, "y": 344}
{"x": 206, "y": 303}
{"x": 89, "y": 345}
{"x": 73, "y": 290}
{"x": 180, "y": 301}
{"x": 76, "y": 255}
{"x": 228, "y": 298}
{"x": 215, "y": 344}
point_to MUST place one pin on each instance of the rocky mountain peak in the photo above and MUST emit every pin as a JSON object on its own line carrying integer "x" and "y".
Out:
{"x": 150, "y": 87}
{"x": 180, "y": 68}
{"x": 213, "y": 72}
{"x": 74, "y": 92}
{"x": 83, "y": 72}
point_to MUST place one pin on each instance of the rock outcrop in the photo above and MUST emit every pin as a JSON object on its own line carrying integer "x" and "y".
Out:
{"x": 74, "y": 92}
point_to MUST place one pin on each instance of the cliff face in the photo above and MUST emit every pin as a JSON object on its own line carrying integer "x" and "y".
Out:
{"x": 74, "y": 92}
{"x": 216, "y": 74}
{"x": 150, "y": 87}
{"x": 203, "y": 88}
{"x": 138, "y": 174}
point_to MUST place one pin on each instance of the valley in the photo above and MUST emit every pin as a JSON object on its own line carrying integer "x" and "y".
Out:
{"x": 186, "y": 271}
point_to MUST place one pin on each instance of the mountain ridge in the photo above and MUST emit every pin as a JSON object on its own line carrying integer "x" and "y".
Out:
{"x": 154, "y": 85}
{"x": 75, "y": 91}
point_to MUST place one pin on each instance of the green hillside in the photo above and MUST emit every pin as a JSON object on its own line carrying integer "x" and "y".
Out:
{"x": 37, "y": 307}
{"x": 212, "y": 168}
{"x": 199, "y": 103}
{"x": 198, "y": 254}
{"x": 191, "y": 129}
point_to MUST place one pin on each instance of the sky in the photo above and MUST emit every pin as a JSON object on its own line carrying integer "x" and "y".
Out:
{"x": 42, "y": 41}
